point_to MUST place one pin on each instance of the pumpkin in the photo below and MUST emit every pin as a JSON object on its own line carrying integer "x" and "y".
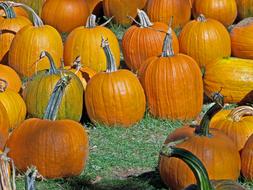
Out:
{"x": 173, "y": 84}
{"x": 199, "y": 170}
{"x": 247, "y": 159}
{"x": 38, "y": 92}
{"x": 205, "y": 40}
{"x": 245, "y": 8}
{"x": 144, "y": 41}
{"x": 212, "y": 147}
{"x": 114, "y": 97}
{"x": 65, "y": 15}
{"x": 85, "y": 41}
{"x": 241, "y": 39}
{"x": 13, "y": 104}
{"x": 224, "y": 11}
{"x": 4, "y": 126}
{"x": 57, "y": 148}
{"x": 163, "y": 10}
{"x": 122, "y": 9}
{"x": 232, "y": 76}
{"x": 95, "y": 7}
{"x": 35, "y": 5}
{"x": 31, "y": 40}
{"x": 8, "y": 28}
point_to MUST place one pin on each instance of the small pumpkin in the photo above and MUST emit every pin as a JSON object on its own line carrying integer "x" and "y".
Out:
{"x": 114, "y": 97}
{"x": 232, "y": 76}
{"x": 144, "y": 41}
{"x": 85, "y": 41}
{"x": 12, "y": 78}
{"x": 241, "y": 39}
{"x": 247, "y": 159}
{"x": 205, "y": 40}
{"x": 245, "y": 8}
{"x": 13, "y": 104}
{"x": 173, "y": 84}
{"x": 8, "y": 29}
{"x": 31, "y": 40}
{"x": 58, "y": 148}
{"x": 224, "y": 11}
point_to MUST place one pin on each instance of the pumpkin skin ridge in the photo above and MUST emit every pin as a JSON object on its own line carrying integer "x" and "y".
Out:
{"x": 247, "y": 159}
{"x": 4, "y": 126}
{"x": 245, "y": 8}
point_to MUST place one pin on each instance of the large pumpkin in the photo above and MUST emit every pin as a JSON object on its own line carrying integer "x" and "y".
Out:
{"x": 9, "y": 27}
{"x": 224, "y": 11}
{"x": 121, "y": 9}
{"x": 4, "y": 126}
{"x": 85, "y": 41}
{"x": 216, "y": 151}
{"x": 13, "y": 103}
{"x": 144, "y": 41}
{"x": 236, "y": 123}
{"x": 38, "y": 92}
{"x": 245, "y": 8}
{"x": 173, "y": 84}
{"x": 65, "y": 15}
{"x": 232, "y": 76}
{"x": 241, "y": 39}
{"x": 247, "y": 159}
{"x": 163, "y": 10}
{"x": 57, "y": 148}
{"x": 31, "y": 40}
{"x": 205, "y": 40}
{"x": 114, "y": 97}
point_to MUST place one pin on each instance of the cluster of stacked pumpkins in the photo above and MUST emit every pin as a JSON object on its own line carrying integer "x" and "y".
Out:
{"x": 40, "y": 115}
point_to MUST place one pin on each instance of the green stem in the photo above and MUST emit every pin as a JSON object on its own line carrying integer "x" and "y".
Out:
{"x": 8, "y": 10}
{"x": 110, "y": 61}
{"x": 52, "y": 69}
{"x": 193, "y": 162}
{"x": 144, "y": 20}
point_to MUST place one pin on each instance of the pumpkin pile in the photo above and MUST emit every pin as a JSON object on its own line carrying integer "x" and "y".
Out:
{"x": 62, "y": 67}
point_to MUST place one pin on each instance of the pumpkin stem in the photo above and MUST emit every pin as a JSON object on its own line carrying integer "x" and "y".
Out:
{"x": 144, "y": 20}
{"x": 37, "y": 22}
{"x": 110, "y": 61}
{"x": 77, "y": 64}
{"x": 239, "y": 112}
{"x": 30, "y": 177}
{"x": 56, "y": 97}
{"x": 52, "y": 69}
{"x": 91, "y": 21}
{"x": 203, "y": 128}
{"x": 198, "y": 169}
{"x": 168, "y": 42}
{"x": 8, "y": 10}
{"x": 3, "y": 85}
{"x": 201, "y": 18}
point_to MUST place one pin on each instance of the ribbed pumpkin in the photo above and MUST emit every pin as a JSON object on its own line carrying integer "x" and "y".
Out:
{"x": 217, "y": 152}
{"x": 13, "y": 103}
{"x": 247, "y": 159}
{"x": 29, "y": 42}
{"x": 4, "y": 126}
{"x": 142, "y": 42}
{"x": 224, "y": 11}
{"x": 232, "y": 76}
{"x": 121, "y": 9}
{"x": 236, "y": 124}
{"x": 114, "y": 97}
{"x": 85, "y": 41}
{"x": 163, "y": 10}
{"x": 65, "y": 15}
{"x": 38, "y": 92}
{"x": 199, "y": 170}
{"x": 12, "y": 78}
{"x": 241, "y": 39}
{"x": 8, "y": 28}
{"x": 57, "y": 148}
{"x": 172, "y": 83}
{"x": 245, "y": 8}
{"x": 205, "y": 40}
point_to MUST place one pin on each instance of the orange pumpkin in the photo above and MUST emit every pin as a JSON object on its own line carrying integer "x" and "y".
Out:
{"x": 144, "y": 41}
{"x": 58, "y": 148}
{"x": 8, "y": 28}
{"x": 4, "y": 126}
{"x": 12, "y": 78}
{"x": 241, "y": 39}
{"x": 65, "y": 15}
{"x": 236, "y": 124}
{"x": 173, "y": 84}
{"x": 85, "y": 41}
{"x": 205, "y": 40}
{"x": 245, "y": 8}
{"x": 247, "y": 159}
{"x": 163, "y": 10}
{"x": 31, "y": 40}
{"x": 114, "y": 97}
{"x": 224, "y": 11}
{"x": 121, "y": 9}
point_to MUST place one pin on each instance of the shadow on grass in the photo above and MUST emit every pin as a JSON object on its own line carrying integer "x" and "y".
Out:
{"x": 146, "y": 181}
